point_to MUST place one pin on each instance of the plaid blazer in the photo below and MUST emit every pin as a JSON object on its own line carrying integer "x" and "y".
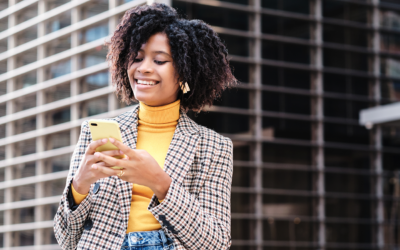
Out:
{"x": 195, "y": 212}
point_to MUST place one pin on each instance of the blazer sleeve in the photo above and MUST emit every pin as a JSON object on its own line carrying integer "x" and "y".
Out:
{"x": 70, "y": 218}
{"x": 202, "y": 222}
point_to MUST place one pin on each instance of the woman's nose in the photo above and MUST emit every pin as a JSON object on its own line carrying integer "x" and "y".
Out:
{"x": 145, "y": 67}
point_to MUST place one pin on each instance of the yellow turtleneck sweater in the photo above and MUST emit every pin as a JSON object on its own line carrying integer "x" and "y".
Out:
{"x": 156, "y": 126}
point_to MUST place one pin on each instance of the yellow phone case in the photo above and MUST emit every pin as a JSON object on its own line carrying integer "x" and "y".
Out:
{"x": 101, "y": 129}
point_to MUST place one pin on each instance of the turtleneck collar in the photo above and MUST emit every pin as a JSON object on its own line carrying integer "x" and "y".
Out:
{"x": 166, "y": 114}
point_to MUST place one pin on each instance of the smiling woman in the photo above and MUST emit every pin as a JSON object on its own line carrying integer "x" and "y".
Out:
{"x": 174, "y": 189}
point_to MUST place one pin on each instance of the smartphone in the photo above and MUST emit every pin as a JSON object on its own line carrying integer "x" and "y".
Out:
{"x": 101, "y": 129}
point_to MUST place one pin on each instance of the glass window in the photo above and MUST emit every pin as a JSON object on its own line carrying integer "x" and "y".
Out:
{"x": 390, "y": 183}
{"x": 58, "y": 69}
{"x": 345, "y": 11}
{"x": 51, "y": 4}
{"x": 347, "y": 183}
{"x": 343, "y": 108}
{"x": 300, "y": 6}
{"x": 2, "y": 131}
{"x": 288, "y": 103}
{"x": 57, "y": 46}
{"x": 24, "y": 170}
{"x": 27, "y": 13}
{"x": 23, "y": 238}
{"x": 345, "y": 59}
{"x": 348, "y": 208}
{"x": 54, "y": 188}
{"x": 22, "y": 193}
{"x": 24, "y": 103}
{"x": 390, "y": 42}
{"x": 26, "y": 80}
{"x": 390, "y": 90}
{"x": 345, "y": 35}
{"x": 241, "y": 151}
{"x": 390, "y": 67}
{"x": 57, "y": 164}
{"x": 27, "y": 35}
{"x": 25, "y": 125}
{"x": 93, "y": 57}
{"x": 222, "y": 122}
{"x": 58, "y": 116}
{"x": 25, "y": 147}
{"x": 93, "y": 33}
{"x": 215, "y": 16}
{"x": 235, "y": 98}
{"x": 243, "y": 176}
{"x": 343, "y": 84}
{"x": 241, "y": 71}
{"x": 289, "y": 230}
{"x": 3, "y": 88}
{"x": 243, "y": 203}
{"x": 391, "y": 161}
{"x": 94, "y": 107}
{"x": 285, "y": 77}
{"x": 243, "y": 229}
{"x": 48, "y": 236}
{"x": 283, "y": 26}
{"x": 391, "y": 213}
{"x": 349, "y": 233}
{"x": 390, "y": 19}
{"x": 288, "y": 154}
{"x": 3, "y": 24}
{"x": 286, "y": 52}
{"x": 3, "y": 67}
{"x": 93, "y": 82}
{"x": 58, "y": 140}
{"x": 346, "y": 133}
{"x": 287, "y": 179}
{"x": 391, "y": 136}
{"x": 58, "y": 92}
{"x": 3, "y": 110}
{"x": 344, "y": 158}
{"x": 61, "y": 21}
{"x": 236, "y": 45}
{"x": 287, "y": 205}
{"x": 2, "y": 153}
{"x": 23, "y": 215}
{"x": 3, "y": 43}
{"x": 27, "y": 57}
{"x": 285, "y": 128}
{"x": 94, "y": 8}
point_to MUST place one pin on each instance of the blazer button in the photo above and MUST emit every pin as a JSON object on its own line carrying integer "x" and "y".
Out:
{"x": 88, "y": 224}
{"x": 96, "y": 188}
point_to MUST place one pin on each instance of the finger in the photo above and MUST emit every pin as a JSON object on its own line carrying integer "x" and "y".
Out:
{"x": 124, "y": 149}
{"x": 105, "y": 170}
{"x": 109, "y": 160}
{"x": 95, "y": 144}
{"x": 112, "y": 152}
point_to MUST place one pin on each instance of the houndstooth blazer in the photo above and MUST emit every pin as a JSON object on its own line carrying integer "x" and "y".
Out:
{"x": 195, "y": 212}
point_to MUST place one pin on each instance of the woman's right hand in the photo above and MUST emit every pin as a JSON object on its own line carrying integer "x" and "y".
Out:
{"x": 86, "y": 174}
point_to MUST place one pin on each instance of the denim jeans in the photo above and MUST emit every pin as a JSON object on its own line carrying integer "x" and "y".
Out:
{"x": 149, "y": 240}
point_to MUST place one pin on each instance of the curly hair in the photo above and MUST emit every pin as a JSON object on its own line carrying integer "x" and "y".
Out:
{"x": 199, "y": 56}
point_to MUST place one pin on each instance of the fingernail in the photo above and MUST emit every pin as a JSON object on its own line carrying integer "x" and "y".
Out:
{"x": 112, "y": 140}
{"x": 104, "y": 140}
{"x": 94, "y": 166}
{"x": 121, "y": 152}
{"x": 97, "y": 154}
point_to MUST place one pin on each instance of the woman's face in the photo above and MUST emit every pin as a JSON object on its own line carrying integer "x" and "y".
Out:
{"x": 152, "y": 74}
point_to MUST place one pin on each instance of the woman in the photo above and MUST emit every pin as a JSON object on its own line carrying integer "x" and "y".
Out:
{"x": 174, "y": 189}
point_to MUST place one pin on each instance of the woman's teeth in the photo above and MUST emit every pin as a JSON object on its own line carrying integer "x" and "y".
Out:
{"x": 146, "y": 82}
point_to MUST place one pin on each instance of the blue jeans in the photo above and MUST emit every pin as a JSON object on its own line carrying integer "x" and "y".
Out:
{"x": 149, "y": 240}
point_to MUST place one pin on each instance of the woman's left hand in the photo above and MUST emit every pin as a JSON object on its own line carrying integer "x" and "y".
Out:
{"x": 139, "y": 168}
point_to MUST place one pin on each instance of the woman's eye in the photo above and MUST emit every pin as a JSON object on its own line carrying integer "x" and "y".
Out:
{"x": 159, "y": 62}
{"x": 138, "y": 60}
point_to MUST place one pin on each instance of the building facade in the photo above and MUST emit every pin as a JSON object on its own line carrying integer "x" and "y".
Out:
{"x": 306, "y": 174}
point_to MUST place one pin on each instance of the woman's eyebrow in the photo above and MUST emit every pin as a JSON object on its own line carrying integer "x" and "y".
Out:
{"x": 161, "y": 52}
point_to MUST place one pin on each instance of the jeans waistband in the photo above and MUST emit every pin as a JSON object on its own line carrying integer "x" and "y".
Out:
{"x": 147, "y": 238}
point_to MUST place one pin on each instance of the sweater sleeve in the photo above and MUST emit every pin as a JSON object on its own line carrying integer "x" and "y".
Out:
{"x": 208, "y": 214}
{"x": 78, "y": 198}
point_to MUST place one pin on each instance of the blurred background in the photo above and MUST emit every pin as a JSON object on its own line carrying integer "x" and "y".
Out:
{"x": 308, "y": 174}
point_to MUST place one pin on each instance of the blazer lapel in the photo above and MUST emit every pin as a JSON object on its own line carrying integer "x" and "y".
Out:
{"x": 182, "y": 149}
{"x": 128, "y": 127}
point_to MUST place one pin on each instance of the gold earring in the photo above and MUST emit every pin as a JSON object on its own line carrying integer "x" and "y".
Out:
{"x": 185, "y": 88}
